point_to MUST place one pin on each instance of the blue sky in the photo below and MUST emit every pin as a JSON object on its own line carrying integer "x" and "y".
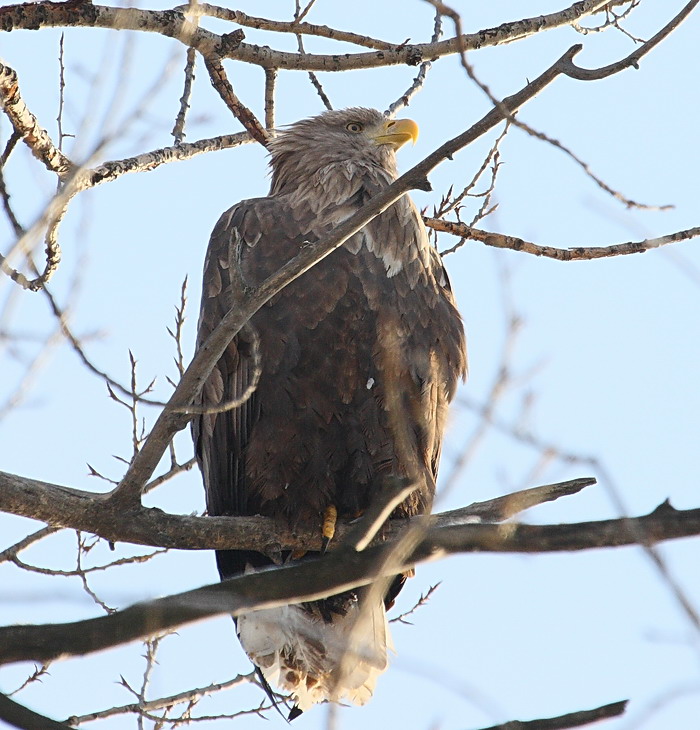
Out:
{"x": 604, "y": 368}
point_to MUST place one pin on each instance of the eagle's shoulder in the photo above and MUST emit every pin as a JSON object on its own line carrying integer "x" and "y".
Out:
{"x": 266, "y": 233}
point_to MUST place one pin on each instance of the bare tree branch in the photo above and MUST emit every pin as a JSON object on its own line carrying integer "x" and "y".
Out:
{"x": 73, "y": 508}
{"x": 223, "y": 86}
{"x": 333, "y": 573}
{"x": 562, "y": 722}
{"x": 27, "y": 126}
{"x": 578, "y": 253}
{"x": 163, "y": 702}
{"x": 174, "y": 24}
{"x": 22, "y": 717}
{"x": 503, "y": 508}
{"x": 179, "y": 128}
{"x": 585, "y": 74}
{"x": 65, "y": 507}
{"x": 11, "y": 552}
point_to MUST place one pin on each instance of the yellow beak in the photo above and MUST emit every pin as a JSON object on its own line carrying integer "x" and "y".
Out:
{"x": 397, "y": 132}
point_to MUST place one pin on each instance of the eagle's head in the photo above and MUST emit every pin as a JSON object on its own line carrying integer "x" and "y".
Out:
{"x": 351, "y": 139}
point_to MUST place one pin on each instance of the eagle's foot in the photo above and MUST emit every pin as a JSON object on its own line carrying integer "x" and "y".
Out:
{"x": 330, "y": 517}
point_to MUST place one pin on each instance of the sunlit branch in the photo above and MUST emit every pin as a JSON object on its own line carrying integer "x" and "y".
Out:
{"x": 27, "y": 126}
{"x": 175, "y": 25}
{"x": 577, "y": 253}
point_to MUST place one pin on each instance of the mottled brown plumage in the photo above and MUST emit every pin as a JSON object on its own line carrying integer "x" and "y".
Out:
{"x": 360, "y": 357}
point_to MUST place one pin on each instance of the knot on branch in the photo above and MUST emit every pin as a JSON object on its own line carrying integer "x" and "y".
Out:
{"x": 665, "y": 509}
{"x": 230, "y": 42}
{"x": 414, "y": 55}
{"x": 422, "y": 183}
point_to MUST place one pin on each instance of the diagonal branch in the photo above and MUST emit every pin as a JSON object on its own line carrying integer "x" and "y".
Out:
{"x": 223, "y": 86}
{"x": 503, "y": 508}
{"x": 570, "y": 720}
{"x": 27, "y": 126}
{"x": 22, "y": 717}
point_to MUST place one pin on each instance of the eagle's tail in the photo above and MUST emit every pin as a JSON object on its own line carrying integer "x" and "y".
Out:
{"x": 319, "y": 655}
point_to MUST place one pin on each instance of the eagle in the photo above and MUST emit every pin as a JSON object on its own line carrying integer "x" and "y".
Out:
{"x": 353, "y": 366}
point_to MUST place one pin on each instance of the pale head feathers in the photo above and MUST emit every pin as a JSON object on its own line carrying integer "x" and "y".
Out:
{"x": 345, "y": 138}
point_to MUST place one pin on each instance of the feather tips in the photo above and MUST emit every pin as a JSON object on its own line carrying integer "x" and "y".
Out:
{"x": 318, "y": 660}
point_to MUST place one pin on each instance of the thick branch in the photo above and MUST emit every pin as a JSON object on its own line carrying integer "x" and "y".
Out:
{"x": 75, "y": 509}
{"x": 335, "y": 572}
{"x": 173, "y": 23}
{"x": 79, "y": 510}
{"x": 223, "y": 86}
{"x": 22, "y": 717}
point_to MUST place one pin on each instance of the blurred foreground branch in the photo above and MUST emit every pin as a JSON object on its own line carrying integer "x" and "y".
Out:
{"x": 571, "y": 719}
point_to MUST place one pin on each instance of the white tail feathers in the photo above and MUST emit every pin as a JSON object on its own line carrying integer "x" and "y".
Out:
{"x": 318, "y": 660}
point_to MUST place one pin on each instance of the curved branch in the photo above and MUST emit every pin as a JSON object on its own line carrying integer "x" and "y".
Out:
{"x": 593, "y": 74}
{"x": 174, "y": 24}
{"x": 220, "y": 82}
{"x": 577, "y": 253}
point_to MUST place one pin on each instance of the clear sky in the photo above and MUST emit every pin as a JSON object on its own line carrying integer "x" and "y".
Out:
{"x": 602, "y": 373}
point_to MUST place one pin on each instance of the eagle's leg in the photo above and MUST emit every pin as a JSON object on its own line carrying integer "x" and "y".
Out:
{"x": 330, "y": 517}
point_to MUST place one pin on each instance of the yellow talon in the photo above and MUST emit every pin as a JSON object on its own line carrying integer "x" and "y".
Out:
{"x": 330, "y": 516}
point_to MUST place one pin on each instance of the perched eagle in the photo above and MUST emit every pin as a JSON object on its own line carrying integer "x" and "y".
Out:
{"x": 359, "y": 359}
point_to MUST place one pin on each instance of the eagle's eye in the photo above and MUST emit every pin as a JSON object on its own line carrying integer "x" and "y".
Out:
{"x": 354, "y": 127}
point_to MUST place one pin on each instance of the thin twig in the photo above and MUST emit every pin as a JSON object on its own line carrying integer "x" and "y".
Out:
{"x": 298, "y": 15}
{"x": 163, "y": 702}
{"x": 577, "y": 73}
{"x": 11, "y": 552}
{"x": 405, "y": 99}
{"x": 179, "y": 128}
{"x": 578, "y": 253}
{"x": 424, "y": 598}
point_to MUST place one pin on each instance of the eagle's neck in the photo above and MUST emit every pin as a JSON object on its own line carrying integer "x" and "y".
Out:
{"x": 309, "y": 169}
{"x": 336, "y": 190}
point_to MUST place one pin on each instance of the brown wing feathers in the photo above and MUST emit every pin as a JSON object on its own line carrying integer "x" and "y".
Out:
{"x": 360, "y": 355}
